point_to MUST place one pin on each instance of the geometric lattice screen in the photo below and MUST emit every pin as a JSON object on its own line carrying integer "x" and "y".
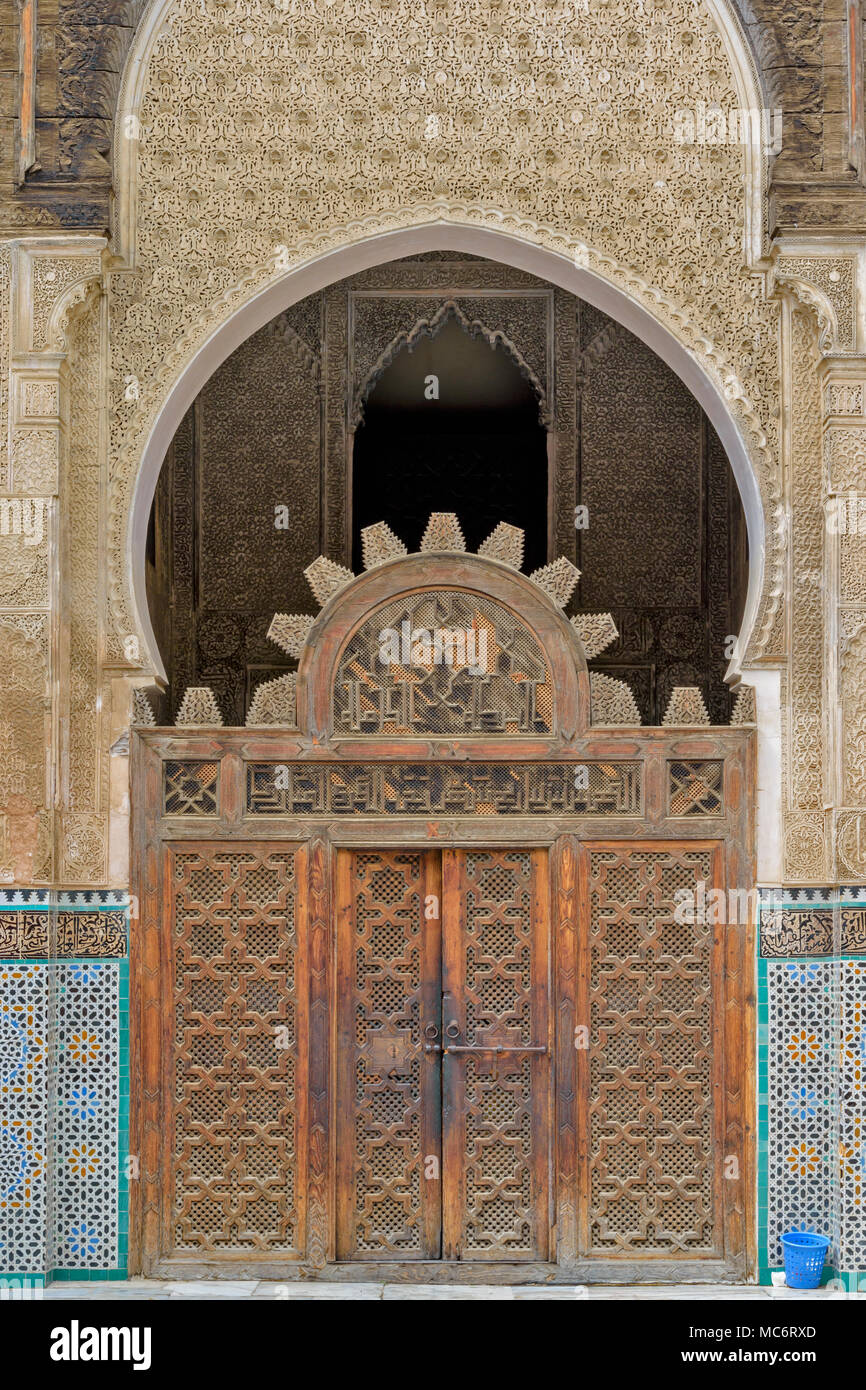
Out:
{"x": 443, "y": 1142}
{"x": 652, "y": 1126}
{"x": 391, "y": 680}
{"x": 235, "y": 1053}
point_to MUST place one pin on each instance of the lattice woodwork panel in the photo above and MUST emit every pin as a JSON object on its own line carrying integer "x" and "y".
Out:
{"x": 696, "y": 788}
{"x": 497, "y": 1141}
{"x": 190, "y": 787}
{"x": 235, "y": 1053}
{"x": 388, "y": 1088}
{"x": 652, "y": 1124}
{"x": 443, "y": 662}
{"x": 425, "y": 789}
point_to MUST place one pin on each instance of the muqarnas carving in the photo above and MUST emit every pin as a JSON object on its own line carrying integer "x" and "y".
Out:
{"x": 504, "y": 543}
{"x": 290, "y": 631}
{"x": 378, "y": 544}
{"x": 198, "y": 707}
{"x": 142, "y": 710}
{"x": 744, "y": 711}
{"x": 686, "y": 706}
{"x": 274, "y": 702}
{"x": 326, "y": 578}
{"x": 557, "y": 580}
{"x": 443, "y": 533}
{"x": 595, "y": 630}
{"x": 612, "y": 701}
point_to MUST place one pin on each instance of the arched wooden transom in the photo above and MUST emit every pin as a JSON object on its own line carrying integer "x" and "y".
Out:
{"x": 442, "y": 646}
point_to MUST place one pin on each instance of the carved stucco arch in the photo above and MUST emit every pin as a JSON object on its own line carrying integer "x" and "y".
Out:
{"x": 746, "y": 70}
{"x": 676, "y": 326}
{"x": 317, "y": 275}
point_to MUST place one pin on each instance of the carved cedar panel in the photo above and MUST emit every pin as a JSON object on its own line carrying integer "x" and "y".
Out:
{"x": 641, "y": 1137}
{"x": 235, "y": 1086}
{"x": 250, "y": 446}
{"x": 496, "y": 1104}
{"x": 422, "y": 789}
{"x": 443, "y": 1153}
{"x": 388, "y": 1087}
{"x": 634, "y": 408}
{"x": 182, "y": 505}
{"x": 259, "y": 449}
{"x": 652, "y": 1113}
{"x": 487, "y": 676}
{"x": 661, "y": 498}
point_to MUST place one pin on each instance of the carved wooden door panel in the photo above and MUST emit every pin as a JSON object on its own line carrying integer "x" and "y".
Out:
{"x": 388, "y": 1086}
{"x": 496, "y": 1067}
{"x": 443, "y": 1028}
{"x": 234, "y": 1082}
{"x": 651, "y": 987}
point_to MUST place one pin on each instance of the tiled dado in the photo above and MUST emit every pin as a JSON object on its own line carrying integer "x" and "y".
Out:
{"x": 812, "y": 922}
{"x": 37, "y": 925}
{"x": 64, "y": 1095}
{"x": 812, "y": 1077}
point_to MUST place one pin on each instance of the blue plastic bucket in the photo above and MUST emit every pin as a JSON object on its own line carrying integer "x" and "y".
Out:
{"x": 804, "y": 1258}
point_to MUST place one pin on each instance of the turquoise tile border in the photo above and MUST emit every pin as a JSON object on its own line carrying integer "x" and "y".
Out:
{"x": 765, "y": 1269}
{"x": 848, "y": 1280}
{"x": 762, "y": 1105}
{"x": 803, "y": 901}
{"x": 85, "y": 901}
{"x": 42, "y": 926}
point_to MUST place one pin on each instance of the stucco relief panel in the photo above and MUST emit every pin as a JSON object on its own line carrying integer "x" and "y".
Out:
{"x": 85, "y": 702}
{"x": 304, "y": 137}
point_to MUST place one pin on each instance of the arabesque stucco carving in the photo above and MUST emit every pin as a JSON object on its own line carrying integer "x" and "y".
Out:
{"x": 255, "y": 138}
{"x": 263, "y": 139}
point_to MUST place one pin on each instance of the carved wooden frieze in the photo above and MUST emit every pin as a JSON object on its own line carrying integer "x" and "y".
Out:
{"x": 487, "y": 675}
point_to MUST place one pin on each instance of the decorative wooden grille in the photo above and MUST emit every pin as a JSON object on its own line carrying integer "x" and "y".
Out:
{"x": 388, "y": 1087}
{"x": 235, "y": 1051}
{"x": 488, "y": 675}
{"x": 696, "y": 789}
{"x": 190, "y": 787}
{"x": 652, "y": 1100}
{"x": 497, "y": 1131}
{"x": 465, "y": 789}
{"x": 443, "y": 1138}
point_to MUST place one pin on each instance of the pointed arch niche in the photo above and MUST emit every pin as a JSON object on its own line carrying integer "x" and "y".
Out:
{"x": 452, "y": 419}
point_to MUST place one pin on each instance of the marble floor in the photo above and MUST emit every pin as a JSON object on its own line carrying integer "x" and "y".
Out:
{"x": 158, "y": 1290}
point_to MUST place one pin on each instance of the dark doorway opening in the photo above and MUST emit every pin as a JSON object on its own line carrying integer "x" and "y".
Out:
{"x": 452, "y": 425}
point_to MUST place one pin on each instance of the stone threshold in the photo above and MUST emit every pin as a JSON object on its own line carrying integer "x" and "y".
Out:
{"x": 163, "y": 1290}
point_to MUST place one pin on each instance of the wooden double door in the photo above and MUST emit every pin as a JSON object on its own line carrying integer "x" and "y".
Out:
{"x": 444, "y": 1039}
